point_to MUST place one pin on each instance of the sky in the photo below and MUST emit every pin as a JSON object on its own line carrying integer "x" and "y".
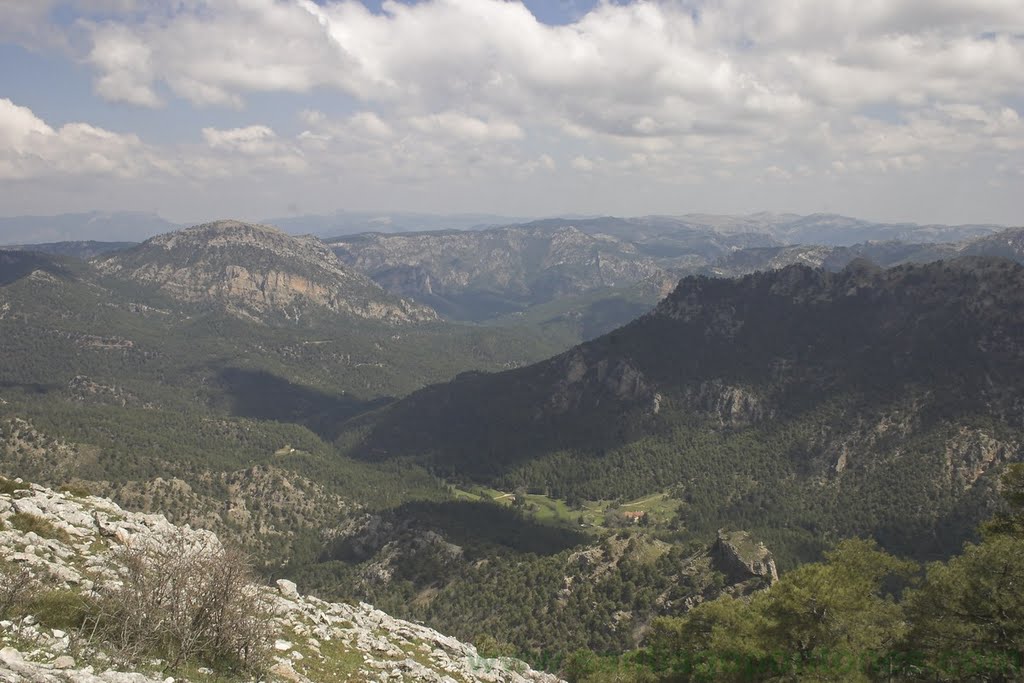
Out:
{"x": 897, "y": 110}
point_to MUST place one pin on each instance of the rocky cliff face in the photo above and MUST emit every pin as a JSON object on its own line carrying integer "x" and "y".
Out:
{"x": 256, "y": 272}
{"x": 71, "y": 548}
{"x": 746, "y": 563}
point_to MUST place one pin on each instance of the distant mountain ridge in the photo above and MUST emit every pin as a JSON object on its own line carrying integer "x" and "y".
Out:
{"x": 1004, "y": 244}
{"x": 834, "y": 229}
{"x": 483, "y": 273}
{"x": 354, "y": 222}
{"x": 84, "y": 250}
{"x": 787, "y": 228}
{"x": 819, "y": 228}
{"x": 480, "y": 274}
{"x": 116, "y": 226}
{"x": 255, "y": 271}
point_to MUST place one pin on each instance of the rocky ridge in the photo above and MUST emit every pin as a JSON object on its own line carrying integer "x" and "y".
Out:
{"x": 71, "y": 545}
{"x": 256, "y": 272}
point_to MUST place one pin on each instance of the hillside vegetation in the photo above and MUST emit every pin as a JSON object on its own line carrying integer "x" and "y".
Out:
{"x": 801, "y": 404}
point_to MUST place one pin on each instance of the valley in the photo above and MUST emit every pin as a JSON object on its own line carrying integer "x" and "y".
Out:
{"x": 547, "y": 454}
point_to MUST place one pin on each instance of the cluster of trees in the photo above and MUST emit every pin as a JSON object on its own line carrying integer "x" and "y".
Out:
{"x": 779, "y": 480}
{"x": 527, "y": 589}
{"x": 860, "y": 615}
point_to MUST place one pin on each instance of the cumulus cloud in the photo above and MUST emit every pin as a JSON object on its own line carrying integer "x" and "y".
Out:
{"x": 252, "y": 149}
{"x": 249, "y": 140}
{"x": 668, "y": 90}
{"x": 30, "y": 148}
{"x": 644, "y": 75}
{"x": 125, "y": 63}
{"x": 459, "y": 125}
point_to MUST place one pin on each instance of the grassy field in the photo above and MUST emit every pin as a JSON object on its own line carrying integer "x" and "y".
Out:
{"x": 660, "y": 507}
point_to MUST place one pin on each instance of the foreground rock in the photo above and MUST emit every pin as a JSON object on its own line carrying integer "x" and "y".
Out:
{"x": 69, "y": 545}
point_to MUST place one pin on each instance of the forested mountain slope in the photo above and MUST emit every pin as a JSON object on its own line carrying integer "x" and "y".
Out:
{"x": 214, "y": 418}
{"x": 800, "y": 403}
{"x": 481, "y": 274}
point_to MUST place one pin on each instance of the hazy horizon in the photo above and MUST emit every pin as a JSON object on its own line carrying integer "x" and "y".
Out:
{"x": 903, "y": 111}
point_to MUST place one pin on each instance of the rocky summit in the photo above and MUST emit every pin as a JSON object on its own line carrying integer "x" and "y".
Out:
{"x": 61, "y": 552}
{"x": 256, "y": 272}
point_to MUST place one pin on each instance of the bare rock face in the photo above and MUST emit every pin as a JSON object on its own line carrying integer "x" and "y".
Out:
{"x": 584, "y": 380}
{"x": 256, "y": 272}
{"x": 729, "y": 405}
{"x": 74, "y": 547}
{"x": 972, "y": 452}
{"x": 744, "y": 560}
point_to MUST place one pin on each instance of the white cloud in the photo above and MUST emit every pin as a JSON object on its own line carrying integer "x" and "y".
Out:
{"x": 30, "y": 148}
{"x": 125, "y": 63}
{"x": 458, "y": 125}
{"x": 629, "y": 73}
{"x": 252, "y": 149}
{"x": 662, "y": 91}
{"x": 582, "y": 163}
{"x": 249, "y": 140}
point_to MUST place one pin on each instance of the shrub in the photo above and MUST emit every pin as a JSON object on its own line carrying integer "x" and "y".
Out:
{"x": 63, "y": 609}
{"x": 188, "y": 602}
{"x": 27, "y": 522}
{"x": 17, "y": 588}
{"x": 76, "y": 490}
{"x": 9, "y": 486}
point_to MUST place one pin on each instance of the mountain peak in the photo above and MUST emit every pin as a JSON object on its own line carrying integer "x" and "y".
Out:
{"x": 257, "y": 272}
{"x": 230, "y": 231}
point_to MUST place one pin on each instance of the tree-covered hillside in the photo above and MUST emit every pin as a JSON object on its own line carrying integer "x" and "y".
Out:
{"x": 803, "y": 404}
{"x": 861, "y": 615}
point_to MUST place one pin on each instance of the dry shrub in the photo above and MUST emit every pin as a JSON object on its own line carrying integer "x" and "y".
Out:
{"x": 17, "y": 588}
{"x": 187, "y": 600}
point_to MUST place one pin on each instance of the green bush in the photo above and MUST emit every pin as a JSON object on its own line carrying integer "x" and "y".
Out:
{"x": 27, "y": 522}
{"x": 63, "y": 609}
{"x": 77, "y": 490}
{"x": 9, "y": 486}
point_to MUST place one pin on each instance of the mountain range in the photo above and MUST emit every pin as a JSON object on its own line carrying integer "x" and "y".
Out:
{"x": 495, "y": 478}
{"x": 121, "y": 226}
{"x": 588, "y": 276}
{"x": 787, "y": 228}
{"x": 213, "y": 312}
